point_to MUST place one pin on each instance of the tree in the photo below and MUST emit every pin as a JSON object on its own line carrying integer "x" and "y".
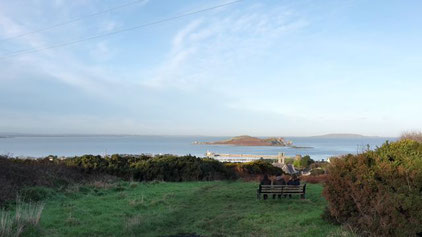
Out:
{"x": 306, "y": 161}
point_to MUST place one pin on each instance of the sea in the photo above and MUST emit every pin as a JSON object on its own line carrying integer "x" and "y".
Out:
{"x": 318, "y": 148}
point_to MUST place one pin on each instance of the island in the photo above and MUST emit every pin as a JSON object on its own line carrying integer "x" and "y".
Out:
{"x": 343, "y": 135}
{"x": 250, "y": 141}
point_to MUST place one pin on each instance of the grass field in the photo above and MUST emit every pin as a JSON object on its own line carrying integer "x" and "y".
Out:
{"x": 164, "y": 209}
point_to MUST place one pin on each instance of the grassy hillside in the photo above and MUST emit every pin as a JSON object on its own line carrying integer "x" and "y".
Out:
{"x": 164, "y": 209}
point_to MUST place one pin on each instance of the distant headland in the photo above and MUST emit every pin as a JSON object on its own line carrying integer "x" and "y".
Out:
{"x": 343, "y": 135}
{"x": 250, "y": 141}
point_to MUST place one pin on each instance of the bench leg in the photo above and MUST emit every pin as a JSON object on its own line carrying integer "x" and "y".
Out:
{"x": 302, "y": 196}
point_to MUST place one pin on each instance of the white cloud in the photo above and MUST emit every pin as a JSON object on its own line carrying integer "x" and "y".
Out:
{"x": 180, "y": 38}
{"x": 208, "y": 49}
{"x": 8, "y": 27}
{"x": 60, "y": 64}
{"x": 82, "y": 124}
{"x": 101, "y": 52}
{"x": 108, "y": 26}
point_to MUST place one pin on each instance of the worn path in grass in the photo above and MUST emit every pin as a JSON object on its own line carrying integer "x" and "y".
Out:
{"x": 164, "y": 209}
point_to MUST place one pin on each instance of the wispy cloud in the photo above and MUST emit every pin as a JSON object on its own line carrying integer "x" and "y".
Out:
{"x": 11, "y": 28}
{"x": 205, "y": 50}
{"x": 61, "y": 64}
{"x": 291, "y": 64}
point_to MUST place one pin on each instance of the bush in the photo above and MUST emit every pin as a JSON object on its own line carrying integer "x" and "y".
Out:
{"x": 415, "y": 136}
{"x": 319, "y": 165}
{"x": 17, "y": 174}
{"x": 314, "y": 179}
{"x": 303, "y": 162}
{"x": 147, "y": 168}
{"x": 179, "y": 168}
{"x": 253, "y": 169}
{"x": 317, "y": 171}
{"x": 35, "y": 194}
{"x": 378, "y": 192}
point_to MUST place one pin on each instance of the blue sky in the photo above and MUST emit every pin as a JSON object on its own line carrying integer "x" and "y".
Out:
{"x": 265, "y": 68}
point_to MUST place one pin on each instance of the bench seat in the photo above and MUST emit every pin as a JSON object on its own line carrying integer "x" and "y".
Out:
{"x": 281, "y": 190}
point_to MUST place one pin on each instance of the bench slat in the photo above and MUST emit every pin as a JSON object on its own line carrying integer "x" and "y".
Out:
{"x": 282, "y": 190}
{"x": 300, "y": 185}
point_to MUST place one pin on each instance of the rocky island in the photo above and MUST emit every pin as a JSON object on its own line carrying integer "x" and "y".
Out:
{"x": 251, "y": 141}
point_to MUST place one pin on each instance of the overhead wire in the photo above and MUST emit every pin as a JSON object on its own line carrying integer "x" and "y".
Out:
{"x": 27, "y": 51}
{"x": 72, "y": 20}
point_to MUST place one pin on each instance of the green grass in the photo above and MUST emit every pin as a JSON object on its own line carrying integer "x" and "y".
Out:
{"x": 161, "y": 209}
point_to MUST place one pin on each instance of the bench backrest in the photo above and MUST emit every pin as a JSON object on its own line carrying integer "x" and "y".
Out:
{"x": 283, "y": 188}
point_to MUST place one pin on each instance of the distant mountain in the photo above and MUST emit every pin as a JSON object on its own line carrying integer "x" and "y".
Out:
{"x": 250, "y": 141}
{"x": 342, "y": 135}
{"x": 10, "y": 135}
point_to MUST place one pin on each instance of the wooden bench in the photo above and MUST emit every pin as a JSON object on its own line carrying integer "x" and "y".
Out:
{"x": 281, "y": 190}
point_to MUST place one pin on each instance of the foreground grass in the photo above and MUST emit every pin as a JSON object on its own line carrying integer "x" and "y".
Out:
{"x": 165, "y": 209}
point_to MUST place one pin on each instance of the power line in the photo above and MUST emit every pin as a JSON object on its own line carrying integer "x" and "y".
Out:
{"x": 27, "y": 51}
{"x": 72, "y": 20}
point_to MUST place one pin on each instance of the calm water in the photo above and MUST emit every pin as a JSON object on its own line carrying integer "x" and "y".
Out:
{"x": 179, "y": 145}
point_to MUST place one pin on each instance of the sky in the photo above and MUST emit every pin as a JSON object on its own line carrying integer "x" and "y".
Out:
{"x": 264, "y": 68}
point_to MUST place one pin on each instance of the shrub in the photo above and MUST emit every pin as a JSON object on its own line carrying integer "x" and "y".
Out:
{"x": 378, "y": 192}
{"x": 36, "y": 194}
{"x": 314, "y": 179}
{"x": 415, "y": 136}
{"x": 253, "y": 169}
{"x": 16, "y": 174}
{"x": 306, "y": 161}
{"x": 180, "y": 168}
{"x": 213, "y": 169}
{"x": 319, "y": 165}
{"x": 147, "y": 168}
{"x": 317, "y": 171}
{"x": 303, "y": 162}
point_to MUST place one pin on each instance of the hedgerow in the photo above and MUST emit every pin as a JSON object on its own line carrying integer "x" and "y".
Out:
{"x": 378, "y": 193}
{"x": 147, "y": 168}
{"x": 19, "y": 175}
{"x": 170, "y": 167}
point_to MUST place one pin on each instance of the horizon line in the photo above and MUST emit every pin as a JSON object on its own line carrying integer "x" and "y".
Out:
{"x": 17, "y": 134}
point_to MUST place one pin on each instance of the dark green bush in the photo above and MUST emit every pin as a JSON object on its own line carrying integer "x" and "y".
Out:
{"x": 147, "y": 168}
{"x": 183, "y": 168}
{"x": 306, "y": 161}
{"x": 17, "y": 174}
{"x": 170, "y": 167}
{"x": 316, "y": 172}
{"x": 254, "y": 169}
{"x": 378, "y": 192}
{"x": 36, "y": 194}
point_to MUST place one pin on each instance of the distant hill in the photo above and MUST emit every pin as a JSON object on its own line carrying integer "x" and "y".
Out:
{"x": 251, "y": 141}
{"x": 342, "y": 135}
